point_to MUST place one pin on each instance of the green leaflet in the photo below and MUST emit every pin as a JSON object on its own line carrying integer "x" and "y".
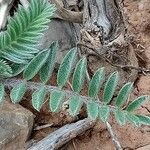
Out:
{"x": 35, "y": 65}
{"x": 79, "y": 75}
{"x": 75, "y": 104}
{"x": 123, "y": 94}
{"x": 56, "y": 100}
{"x": 38, "y": 98}
{"x": 18, "y": 43}
{"x": 2, "y": 93}
{"x": 96, "y": 82}
{"x": 48, "y": 67}
{"x": 104, "y": 112}
{"x": 92, "y": 110}
{"x": 133, "y": 119}
{"x": 120, "y": 116}
{"x": 5, "y": 69}
{"x": 145, "y": 120}
{"x": 66, "y": 67}
{"x": 18, "y": 92}
{"x": 17, "y": 69}
{"x": 110, "y": 87}
{"x": 136, "y": 103}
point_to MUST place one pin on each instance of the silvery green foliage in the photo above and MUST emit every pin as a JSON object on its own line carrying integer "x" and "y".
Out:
{"x": 38, "y": 97}
{"x": 104, "y": 112}
{"x": 18, "y": 92}
{"x": 110, "y": 87}
{"x": 66, "y": 67}
{"x": 136, "y": 103}
{"x": 35, "y": 65}
{"x": 75, "y": 104}
{"x": 5, "y": 69}
{"x": 48, "y": 67}
{"x": 120, "y": 116}
{"x": 92, "y": 110}
{"x": 79, "y": 75}
{"x": 56, "y": 100}
{"x": 18, "y": 43}
{"x": 96, "y": 82}
{"x": 19, "y": 54}
{"x": 123, "y": 94}
{"x": 96, "y": 109}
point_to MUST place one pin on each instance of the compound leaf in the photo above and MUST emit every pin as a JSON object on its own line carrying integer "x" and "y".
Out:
{"x": 18, "y": 43}
{"x": 123, "y": 94}
{"x": 2, "y": 92}
{"x": 96, "y": 82}
{"x": 47, "y": 68}
{"x": 110, "y": 87}
{"x": 75, "y": 104}
{"x": 120, "y": 117}
{"x": 92, "y": 109}
{"x": 104, "y": 112}
{"x": 66, "y": 67}
{"x": 136, "y": 103}
{"x": 56, "y": 100}
{"x": 35, "y": 65}
{"x": 18, "y": 92}
{"x": 38, "y": 98}
{"x": 79, "y": 75}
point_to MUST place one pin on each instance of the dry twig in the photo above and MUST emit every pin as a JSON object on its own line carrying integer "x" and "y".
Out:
{"x": 63, "y": 135}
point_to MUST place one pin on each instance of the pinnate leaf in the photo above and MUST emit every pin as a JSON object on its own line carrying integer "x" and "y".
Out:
{"x": 47, "y": 68}
{"x": 56, "y": 100}
{"x": 38, "y": 98}
{"x": 18, "y": 43}
{"x": 79, "y": 75}
{"x": 96, "y": 82}
{"x": 66, "y": 67}
{"x": 136, "y": 103}
{"x": 110, "y": 87}
{"x": 35, "y": 65}
{"x": 75, "y": 104}
{"x": 92, "y": 109}
{"x": 18, "y": 92}
{"x": 104, "y": 112}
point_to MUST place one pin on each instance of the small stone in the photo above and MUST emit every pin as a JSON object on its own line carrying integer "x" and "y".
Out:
{"x": 16, "y": 124}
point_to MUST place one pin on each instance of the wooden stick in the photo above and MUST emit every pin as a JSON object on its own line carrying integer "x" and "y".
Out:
{"x": 61, "y": 136}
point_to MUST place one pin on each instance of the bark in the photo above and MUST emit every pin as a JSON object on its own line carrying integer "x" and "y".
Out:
{"x": 61, "y": 136}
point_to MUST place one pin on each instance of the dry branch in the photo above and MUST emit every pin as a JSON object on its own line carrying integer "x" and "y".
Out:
{"x": 61, "y": 136}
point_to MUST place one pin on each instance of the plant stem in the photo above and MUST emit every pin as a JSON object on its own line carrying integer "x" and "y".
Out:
{"x": 32, "y": 86}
